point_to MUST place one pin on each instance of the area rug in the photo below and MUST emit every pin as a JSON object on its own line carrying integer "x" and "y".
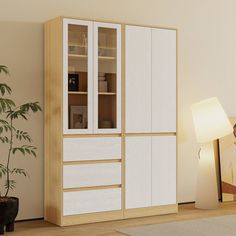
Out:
{"x": 214, "y": 226}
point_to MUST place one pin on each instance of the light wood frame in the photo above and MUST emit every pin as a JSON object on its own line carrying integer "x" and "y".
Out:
{"x": 53, "y": 135}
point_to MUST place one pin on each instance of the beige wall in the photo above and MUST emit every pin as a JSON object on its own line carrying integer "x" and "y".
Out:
{"x": 21, "y": 49}
{"x": 206, "y": 64}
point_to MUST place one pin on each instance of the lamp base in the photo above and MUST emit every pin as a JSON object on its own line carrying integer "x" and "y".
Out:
{"x": 207, "y": 192}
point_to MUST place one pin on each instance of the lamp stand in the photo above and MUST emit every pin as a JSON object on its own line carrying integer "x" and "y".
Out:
{"x": 207, "y": 193}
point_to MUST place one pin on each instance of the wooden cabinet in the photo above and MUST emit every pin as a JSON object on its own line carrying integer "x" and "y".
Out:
{"x": 91, "y": 77}
{"x": 110, "y": 121}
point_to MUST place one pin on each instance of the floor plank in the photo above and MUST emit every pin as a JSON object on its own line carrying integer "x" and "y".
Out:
{"x": 186, "y": 212}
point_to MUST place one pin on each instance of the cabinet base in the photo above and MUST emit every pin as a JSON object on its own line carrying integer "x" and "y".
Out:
{"x": 118, "y": 215}
{"x": 150, "y": 211}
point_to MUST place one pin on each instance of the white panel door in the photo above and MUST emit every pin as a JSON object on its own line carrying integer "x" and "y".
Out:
{"x": 138, "y": 172}
{"x": 138, "y": 79}
{"x": 163, "y": 80}
{"x": 91, "y": 201}
{"x": 102, "y": 148}
{"x": 163, "y": 170}
{"x": 88, "y": 175}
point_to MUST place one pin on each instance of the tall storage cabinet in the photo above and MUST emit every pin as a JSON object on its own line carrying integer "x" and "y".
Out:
{"x": 110, "y": 146}
{"x": 83, "y": 159}
{"x": 150, "y": 159}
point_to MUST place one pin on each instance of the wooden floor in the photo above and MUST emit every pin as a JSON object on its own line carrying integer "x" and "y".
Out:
{"x": 186, "y": 212}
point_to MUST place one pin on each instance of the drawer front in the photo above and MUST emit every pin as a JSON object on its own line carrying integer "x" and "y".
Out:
{"x": 91, "y": 201}
{"x": 87, "y": 175}
{"x": 79, "y": 149}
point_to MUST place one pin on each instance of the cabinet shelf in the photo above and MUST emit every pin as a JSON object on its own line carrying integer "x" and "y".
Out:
{"x": 81, "y": 56}
{"x": 77, "y": 92}
{"x": 107, "y": 93}
{"x": 84, "y": 46}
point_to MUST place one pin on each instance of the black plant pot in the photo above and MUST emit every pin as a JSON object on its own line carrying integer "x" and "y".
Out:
{"x": 8, "y": 211}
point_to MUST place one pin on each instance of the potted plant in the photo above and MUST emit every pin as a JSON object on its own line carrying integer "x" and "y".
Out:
{"x": 17, "y": 142}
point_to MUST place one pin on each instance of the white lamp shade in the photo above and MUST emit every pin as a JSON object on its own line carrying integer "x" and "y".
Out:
{"x": 210, "y": 120}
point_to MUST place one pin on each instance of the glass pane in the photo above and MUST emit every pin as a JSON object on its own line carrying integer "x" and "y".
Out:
{"x": 77, "y": 77}
{"x": 107, "y": 50}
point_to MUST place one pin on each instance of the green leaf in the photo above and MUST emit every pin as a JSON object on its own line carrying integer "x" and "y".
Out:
{"x": 6, "y": 105}
{"x": 25, "y": 149}
{"x": 3, "y": 170}
{"x": 4, "y": 139}
{"x": 23, "y": 135}
{"x": 10, "y": 184}
{"x": 23, "y": 110}
{"x": 4, "y": 88}
{"x": 19, "y": 171}
{"x": 4, "y": 69}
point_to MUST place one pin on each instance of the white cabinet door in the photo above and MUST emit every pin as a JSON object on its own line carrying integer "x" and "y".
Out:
{"x": 90, "y": 201}
{"x": 163, "y": 170}
{"x": 138, "y": 172}
{"x": 107, "y": 78}
{"x": 77, "y": 76}
{"x": 89, "y": 175}
{"x": 138, "y": 79}
{"x": 163, "y": 80}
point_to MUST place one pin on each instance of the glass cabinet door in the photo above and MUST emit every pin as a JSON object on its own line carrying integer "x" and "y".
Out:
{"x": 107, "y": 78}
{"x": 77, "y": 66}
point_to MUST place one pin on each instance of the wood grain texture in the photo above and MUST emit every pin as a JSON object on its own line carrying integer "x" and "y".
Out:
{"x": 53, "y": 120}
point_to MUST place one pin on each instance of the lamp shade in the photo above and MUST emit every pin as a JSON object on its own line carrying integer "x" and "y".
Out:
{"x": 210, "y": 120}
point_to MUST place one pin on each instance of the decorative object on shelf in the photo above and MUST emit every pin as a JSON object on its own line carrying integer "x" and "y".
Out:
{"x": 102, "y": 86}
{"x": 106, "y": 124}
{"x": 102, "y": 82}
{"x": 210, "y": 122}
{"x": 227, "y": 150}
{"x": 102, "y": 42}
{"x": 73, "y": 82}
{"x": 78, "y": 117}
{"x": 72, "y": 49}
{"x": 11, "y": 137}
{"x": 85, "y": 44}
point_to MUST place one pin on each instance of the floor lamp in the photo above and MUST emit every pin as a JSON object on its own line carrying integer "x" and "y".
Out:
{"x": 210, "y": 122}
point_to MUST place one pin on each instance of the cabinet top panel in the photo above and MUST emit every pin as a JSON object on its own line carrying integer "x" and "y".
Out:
{"x": 114, "y": 22}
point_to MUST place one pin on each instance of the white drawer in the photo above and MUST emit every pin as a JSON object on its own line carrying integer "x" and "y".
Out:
{"x": 78, "y": 149}
{"x": 91, "y": 201}
{"x": 87, "y": 175}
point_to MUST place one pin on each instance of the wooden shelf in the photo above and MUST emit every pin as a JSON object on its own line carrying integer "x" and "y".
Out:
{"x": 107, "y": 48}
{"x": 106, "y": 58}
{"x": 106, "y": 93}
{"x": 81, "y": 56}
{"x": 77, "y": 92}
{"x": 77, "y": 45}
{"x": 78, "y": 56}
{"x": 83, "y": 46}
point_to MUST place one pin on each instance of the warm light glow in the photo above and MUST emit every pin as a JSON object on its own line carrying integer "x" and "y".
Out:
{"x": 210, "y": 120}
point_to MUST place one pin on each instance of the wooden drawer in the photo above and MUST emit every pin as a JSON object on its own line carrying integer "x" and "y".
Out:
{"x": 91, "y": 201}
{"x": 87, "y": 175}
{"x": 78, "y": 149}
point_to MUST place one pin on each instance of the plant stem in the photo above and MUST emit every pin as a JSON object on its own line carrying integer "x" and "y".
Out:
{"x": 8, "y": 159}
